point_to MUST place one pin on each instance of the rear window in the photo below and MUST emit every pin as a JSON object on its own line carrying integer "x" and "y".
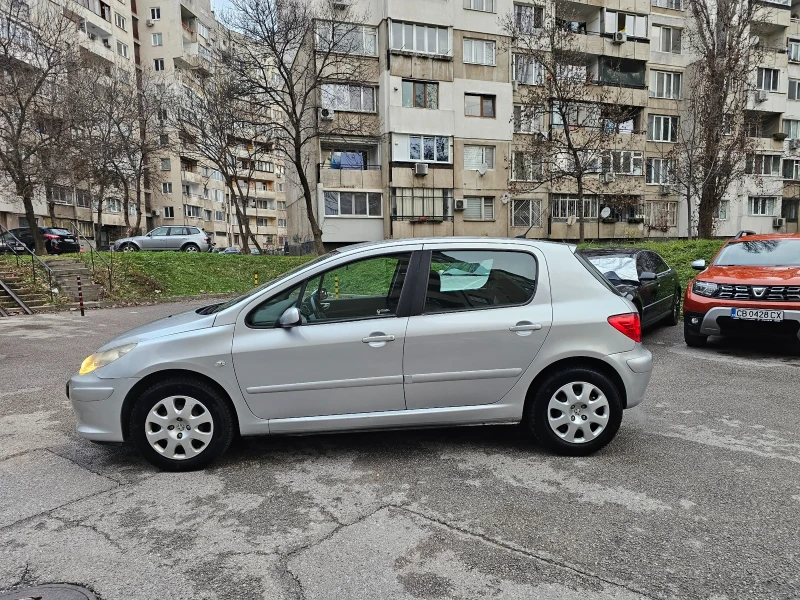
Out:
{"x": 193, "y": 231}
{"x": 59, "y": 231}
{"x": 760, "y": 253}
{"x": 597, "y": 274}
{"x": 618, "y": 267}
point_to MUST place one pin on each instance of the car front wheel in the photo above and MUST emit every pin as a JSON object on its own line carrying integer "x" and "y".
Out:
{"x": 181, "y": 425}
{"x": 130, "y": 248}
{"x": 575, "y": 412}
{"x": 675, "y": 313}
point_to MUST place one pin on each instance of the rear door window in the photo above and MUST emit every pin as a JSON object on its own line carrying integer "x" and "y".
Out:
{"x": 475, "y": 279}
{"x": 659, "y": 266}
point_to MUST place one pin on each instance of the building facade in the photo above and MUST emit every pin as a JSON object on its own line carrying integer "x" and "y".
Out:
{"x": 449, "y": 160}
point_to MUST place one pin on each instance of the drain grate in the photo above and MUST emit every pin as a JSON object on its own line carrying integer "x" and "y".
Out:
{"x": 50, "y": 591}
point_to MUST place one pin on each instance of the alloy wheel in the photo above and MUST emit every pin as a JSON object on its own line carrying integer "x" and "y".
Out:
{"x": 578, "y": 412}
{"x": 179, "y": 427}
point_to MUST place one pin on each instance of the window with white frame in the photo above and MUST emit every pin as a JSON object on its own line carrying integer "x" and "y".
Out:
{"x": 767, "y": 79}
{"x": 217, "y": 175}
{"x": 83, "y": 198}
{"x": 564, "y": 162}
{"x": 119, "y": 20}
{"x": 262, "y": 222}
{"x": 265, "y": 166}
{"x": 194, "y": 212}
{"x": 425, "y": 39}
{"x": 632, "y": 24}
{"x": 576, "y": 115}
{"x": 166, "y": 187}
{"x": 158, "y": 64}
{"x": 664, "y": 84}
{"x": 202, "y": 29}
{"x": 525, "y": 166}
{"x": 528, "y": 18}
{"x": 349, "y": 204}
{"x": 206, "y": 215}
{"x": 563, "y": 206}
{"x": 762, "y": 206}
{"x": 479, "y": 208}
{"x": 61, "y": 194}
{"x": 671, "y": 4}
{"x": 791, "y": 169}
{"x": 122, "y": 49}
{"x": 479, "y": 52}
{"x": 528, "y": 118}
{"x": 662, "y": 128}
{"x": 219, "y": 216}
{"x": 721, "y": 212}
{"x": 347, "y": 38}
{"x": 794, "y": 89}
{"x": 282, "y": 223}
{"x": 666, "y": 39}
{"x": 791, "y": 127}
{"x": 763, "y": 164}
{"x": 422, "y": 148}
{"x": 113, "y": 205}
{"x": 793, "y": 50}
{"x": 169, "y": 212}
{"x": 623, "y": 162}
{"x": 281, "y": 204}
{"x": 157, "y": 39}
{"x": 482, "y": 5}
{"x": 528, "y": 70}
{"x": 413, "y": 203}
{"x": 477, "y": 156}
{"x": 526, "y": 213}
{"x": 662, "y": 214}
{"x": 342, "y": 97}
{"x": 155, "y": 13}
{"x": 658, "y": 171}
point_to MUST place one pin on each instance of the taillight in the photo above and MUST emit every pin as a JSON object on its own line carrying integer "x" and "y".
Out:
{"x": 629, "y": 324}
{"x": 208, "y": 240}
{"x": 50, "y": 236}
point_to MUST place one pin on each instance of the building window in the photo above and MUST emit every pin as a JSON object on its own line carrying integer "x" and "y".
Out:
{"x": 476, "y": 157}
{"x": 265, "y": 166}
{"x": 83, "y": 198}
{"x": 206, "y": 215}
{"x": 281, "y": 204}
{"x": 165, "y": 164}
{"x": 421, "y": 148}
{"x": 122, "y": 49}
{"x": 526, "y": 213}
{"x": 348, "y": 204}
{"x": 479, "y": 52}
{"x": 479, "y": 209}
{"x": 623, "y": 207}
{"x": 166, "y": 187}
{"x": 155, "y": 13}
{"x": 265, "y": 204}
{"x": 347, "y": 38}
{"x": 623, "y": 162}
{"x": 721, "y": 212}
{"x": 791, "y": 127}
{"x": 425, "y": 39}
{"x": 86, "y": 229}
{"x": 634, "y": 25}
{"x": 61, "y": 194}
{"x": 420, "y": 94}
{"x": 791, "y": 169}
{"x": 262, "y": 222}
{"x": 476, "y": 105}
{"x": 666, "y": 39}
{"x": 767, "y": 79}
{"x": 793, "y": 50}
{"x": 525, "y": 167}
{"x": 119, "y": 20}
{"x": 661, "y": 128}
{"x": 354, "y": 98}
{"x": 763, "y": 164}
{"x": 663, "y": 214}
{"x": 794, "y": 89}
{"x": 195, "y": 212}
{"x": 577, "y": 115}
{"x": 430, "y": 203}
{"x": 671, "y": 4}
{"x": 527, "y": 118}
{"x": 169, "y": 212}
{"x": 658, "y": 171}
{"x": 483, "y": 5}
{"x": 282, "y": 223}
{"x": 664, "y": 84}
{"x": 563, "y": 206}
{"x": 528, "y": 18}
{"x": 216, "y": 175}
{"x": 202, "y": 29}
{"x": 527, "y": 70}
{"x": 279, "y": 187}
{"x": 113, "y": 205}
{"x": 762, "y": 206}
{"x": 158, "y": 64}
{"x": 158, "y": 39}
{"x": 219, "y": 216}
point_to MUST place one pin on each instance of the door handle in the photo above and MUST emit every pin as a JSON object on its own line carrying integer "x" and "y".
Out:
{"x": 522, "y": 326}
{"x": 378, "y": 338}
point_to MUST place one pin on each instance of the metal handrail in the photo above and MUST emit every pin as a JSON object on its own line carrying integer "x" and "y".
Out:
{"x": 48, "y": 270}
{"x": 92, "y": 251}
{"x": 15, "y": 298}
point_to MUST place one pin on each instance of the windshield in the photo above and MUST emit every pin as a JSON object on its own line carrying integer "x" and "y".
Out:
{"x": 623, "y": 266}
{"x": 256, "y": 290}
{"x": 761, "y": 253}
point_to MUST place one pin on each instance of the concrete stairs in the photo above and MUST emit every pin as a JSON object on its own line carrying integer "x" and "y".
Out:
{"x": 33, "y": 299}
{"x": 67, "y": 271}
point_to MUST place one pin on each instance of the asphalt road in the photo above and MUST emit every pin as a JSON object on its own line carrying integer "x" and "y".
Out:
{"x": 698, "y": 497}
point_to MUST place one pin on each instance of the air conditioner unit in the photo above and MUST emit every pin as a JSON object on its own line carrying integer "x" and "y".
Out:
{"x": 326, "y": 114}
{"x": 664, "y": 190}
{"x": 609, "y": 177}
{"x": 150, "y": 22}
{"x": 620, "y": 37}
{"x": 460, "y": 204}
{"x": 421, "y": 169}
{"x": 777, "y": 222}
{"x": 761, "y": 96}
{"x": 156, "y": 213}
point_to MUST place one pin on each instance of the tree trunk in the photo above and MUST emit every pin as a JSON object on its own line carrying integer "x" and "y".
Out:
{"x": 51, "y": 206}
{"x": 705, "y": 221}
{"x": 316, "y": 231}
{"x": 126, "y": 199}
{"x": 26, "y": 192}
{"x": 581, "y": 232}
{"x": 139, "y": 208}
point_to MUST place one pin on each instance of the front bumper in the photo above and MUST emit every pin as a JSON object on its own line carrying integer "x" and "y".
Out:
{"x": 635, "y": 368}
{"x": 97, "y": 404}
{"x": 717, "y": 321}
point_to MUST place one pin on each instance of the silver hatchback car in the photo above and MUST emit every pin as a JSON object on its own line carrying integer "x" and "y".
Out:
{"x": 403, "y": 333}
{"x": 177, "y": 238}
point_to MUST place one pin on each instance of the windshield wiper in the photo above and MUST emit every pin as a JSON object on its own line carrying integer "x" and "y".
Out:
{"x": 208, "y": 310}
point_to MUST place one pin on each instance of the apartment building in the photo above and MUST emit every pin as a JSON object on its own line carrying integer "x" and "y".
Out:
{"x": 447, "y": 98}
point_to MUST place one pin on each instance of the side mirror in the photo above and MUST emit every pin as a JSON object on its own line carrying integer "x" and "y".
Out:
{"x": 699, "y": 265}
{"x": 647, "y": 276}
{"x": 149, "y": 235}
{"x": 290, "y": 318}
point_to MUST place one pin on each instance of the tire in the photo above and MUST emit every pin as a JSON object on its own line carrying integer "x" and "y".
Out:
{"x": 573, "y": 385}
{"x": 693, "y": 340}
{"x": 130, "y": 248}
{"x": 674, "y": 317}
{"x": 191, "y": 248}
{"x": 179, "y": 403}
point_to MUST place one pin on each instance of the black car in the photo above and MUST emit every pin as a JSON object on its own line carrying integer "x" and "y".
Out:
{"x": 644, "y": 277}
{"x": 8, "y": 245}
{"x": 56, "y": 240}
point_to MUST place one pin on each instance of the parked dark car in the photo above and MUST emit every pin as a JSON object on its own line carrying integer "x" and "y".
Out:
{"x": 56, "y": 240}
{"x": 230, "y": 250}
{"x": 644, "y": 277}
{"x": 8, "y": 245}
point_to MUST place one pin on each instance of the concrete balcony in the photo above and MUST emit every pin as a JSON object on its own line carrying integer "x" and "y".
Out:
{"x": 369, "y": 179}
{"x": 191, "y": 177}
{"x": 192, "y": 61}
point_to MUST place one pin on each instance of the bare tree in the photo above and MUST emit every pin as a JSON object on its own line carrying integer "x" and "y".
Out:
{"x": 284, "y": 54}
{"x": 588, "y": 101}
{"x": 38, "y": 58}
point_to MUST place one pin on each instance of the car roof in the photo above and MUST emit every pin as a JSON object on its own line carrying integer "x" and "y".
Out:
{"x": 761, "y": 237}
{"x": 455, "y": 240}
{"x": 611, "y": 251}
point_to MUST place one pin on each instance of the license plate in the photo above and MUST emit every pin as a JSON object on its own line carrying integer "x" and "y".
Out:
{"x": 756, "y": 314}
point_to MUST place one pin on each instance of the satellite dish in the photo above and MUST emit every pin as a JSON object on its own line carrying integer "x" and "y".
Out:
{"x": 571, "y": 220}
{"x": 605, "y": 213}
{"x": 505, "y": 198}
{"x": 482, "y": 169}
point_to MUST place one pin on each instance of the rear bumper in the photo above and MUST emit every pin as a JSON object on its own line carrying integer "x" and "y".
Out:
{"x": 97, "y": 404}
{"x": 635, "y": 368}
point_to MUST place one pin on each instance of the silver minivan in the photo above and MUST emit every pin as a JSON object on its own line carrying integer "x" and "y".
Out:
{"x": 394, "y": 334}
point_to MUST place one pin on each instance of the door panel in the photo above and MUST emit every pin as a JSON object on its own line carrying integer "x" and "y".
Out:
{"x": 648, "y": 290}
{"x": 474, "y": 355}
{"x": 157, "y": 240}
{"x": 177, "y": 236}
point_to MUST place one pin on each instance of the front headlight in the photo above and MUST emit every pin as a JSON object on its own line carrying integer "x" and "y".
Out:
{"x": 704, "y": 288}
{"x": 101, "y": 359}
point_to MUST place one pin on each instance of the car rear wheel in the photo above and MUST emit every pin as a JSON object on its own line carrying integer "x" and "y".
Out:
{"x": 191, "y": 248}
{"x": 675, "y": 315}
{"x": 693, "y": 340}
{"x": 575, "y": 412}
{"x": 181, "y": 425}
